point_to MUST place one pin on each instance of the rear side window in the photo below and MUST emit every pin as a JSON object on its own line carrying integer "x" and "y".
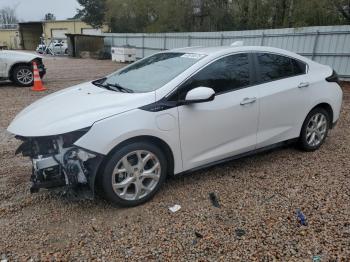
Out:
{"x": 298, "y": 67}
{"x": 224, "y": 75}
{"x": 273, "y": 67}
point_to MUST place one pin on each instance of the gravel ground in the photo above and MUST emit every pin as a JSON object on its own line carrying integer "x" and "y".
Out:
{"x": 258, "y": 198}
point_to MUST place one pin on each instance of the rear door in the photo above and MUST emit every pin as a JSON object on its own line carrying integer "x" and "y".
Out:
{"x": 227, "y": 125}
{"x": 284, "y": 97}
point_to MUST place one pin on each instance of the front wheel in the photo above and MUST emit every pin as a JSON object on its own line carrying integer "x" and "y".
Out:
{"x": 314, "y": 130}
{"x": 134, "y": 174}
{"x": 23, "y": 75}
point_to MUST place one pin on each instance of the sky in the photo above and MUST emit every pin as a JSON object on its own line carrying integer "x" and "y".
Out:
{"x": 35, "y": 10}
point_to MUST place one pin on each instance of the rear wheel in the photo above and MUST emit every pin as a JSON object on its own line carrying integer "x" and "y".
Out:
{"x": 134, "y": 174}
{"x": 314, "y": 130}
{"x": 22, "y": 75}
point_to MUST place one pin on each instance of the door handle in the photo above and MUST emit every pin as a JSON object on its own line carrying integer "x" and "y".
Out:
{"x": 248, "y": 100}
{"x": 304, "y": 84}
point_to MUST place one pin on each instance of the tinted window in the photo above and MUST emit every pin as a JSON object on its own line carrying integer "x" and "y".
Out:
{"x": 226, "y": 74}
{"x": 298, "y": 67}
{"x": 273, "y": 67}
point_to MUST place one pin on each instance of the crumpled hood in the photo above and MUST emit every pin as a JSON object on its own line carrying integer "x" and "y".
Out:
{"x": 74, "y": 108}
{"x": 18, "y": 56}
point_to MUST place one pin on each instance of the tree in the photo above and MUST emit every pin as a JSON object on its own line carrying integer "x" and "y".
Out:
{"x": 8, "y": 16}
{"x": 211, "y": 15}
{"x": 93, "y": 12}
{"x": 49, "y": 17}
{"x": 170, "y": 16}
{"x": 343, "y": 8}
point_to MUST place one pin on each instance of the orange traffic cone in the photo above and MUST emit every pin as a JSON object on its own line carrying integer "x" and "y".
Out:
{"x": 38, "y": 85}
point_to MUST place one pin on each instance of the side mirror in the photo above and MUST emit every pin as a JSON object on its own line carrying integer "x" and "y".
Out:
{"x": 199, "y": 95}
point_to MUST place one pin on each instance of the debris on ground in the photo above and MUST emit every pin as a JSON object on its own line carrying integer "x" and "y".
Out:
{"x": 214, "y": 199}
{"x": 301, "y": 218}
{"x": 240, "y": 232}
{"x": 199, "y": 235}
{"x": 94, "y": 228}
{"x": 175, "y": 208}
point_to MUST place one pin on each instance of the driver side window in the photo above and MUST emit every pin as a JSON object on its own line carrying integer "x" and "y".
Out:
{"x": 224, "y": 75}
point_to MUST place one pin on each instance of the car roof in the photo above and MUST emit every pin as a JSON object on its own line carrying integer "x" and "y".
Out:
{"x": 222, "y": 50}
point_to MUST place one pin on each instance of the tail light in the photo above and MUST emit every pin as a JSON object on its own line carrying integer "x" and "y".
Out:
{"x": 333, "y": 78}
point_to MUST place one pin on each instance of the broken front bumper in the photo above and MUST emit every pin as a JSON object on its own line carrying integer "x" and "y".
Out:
{"x": 58, "y": 164}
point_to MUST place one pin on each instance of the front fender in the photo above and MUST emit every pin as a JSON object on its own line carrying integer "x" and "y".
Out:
{"x": 11, "y": 63}
{"x": 106, "y": 134}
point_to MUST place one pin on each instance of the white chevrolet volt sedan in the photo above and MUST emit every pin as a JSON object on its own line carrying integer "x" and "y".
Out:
{"x": 175, "y": 112}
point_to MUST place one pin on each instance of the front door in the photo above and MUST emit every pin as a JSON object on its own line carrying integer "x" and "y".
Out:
{"x": 226, "y": 126}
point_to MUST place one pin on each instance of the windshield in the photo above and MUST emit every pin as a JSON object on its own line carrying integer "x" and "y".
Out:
{"x": 153, "y": 72}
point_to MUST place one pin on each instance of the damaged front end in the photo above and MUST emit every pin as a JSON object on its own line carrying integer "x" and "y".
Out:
{"x": 59, "y": 164}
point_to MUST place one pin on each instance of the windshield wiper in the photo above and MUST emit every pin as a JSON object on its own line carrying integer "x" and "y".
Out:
{"x": 114, "y": 87}
{"x": 117, "y": 87}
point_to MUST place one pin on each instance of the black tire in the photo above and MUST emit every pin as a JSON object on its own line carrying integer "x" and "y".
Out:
{"x": 114, "y": 158}
{"x": 303, "y": 141}
{"x": 66, "y": 51}
{"x": 17, "y": 72}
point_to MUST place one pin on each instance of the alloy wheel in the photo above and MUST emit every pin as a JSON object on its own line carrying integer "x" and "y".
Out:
{"x": 136, "y": 175}
{"x": 316, "y": 129}
{"x": 25, "y": 76}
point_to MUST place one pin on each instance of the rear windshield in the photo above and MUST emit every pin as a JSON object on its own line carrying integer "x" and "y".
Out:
{"x": 153, "y": 72}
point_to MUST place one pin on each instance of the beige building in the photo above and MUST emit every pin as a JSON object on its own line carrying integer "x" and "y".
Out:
{"x": 31, "y": 32}
{"x": 9, "y": 39}
{"x": 59, "y": 29}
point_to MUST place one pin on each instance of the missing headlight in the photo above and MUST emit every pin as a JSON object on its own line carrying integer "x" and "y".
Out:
{"x": 57, "y": 162}
{"x": 70, "y": 138}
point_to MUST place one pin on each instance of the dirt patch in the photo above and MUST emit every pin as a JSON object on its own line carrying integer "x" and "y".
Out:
{"x": 258, "y": 199}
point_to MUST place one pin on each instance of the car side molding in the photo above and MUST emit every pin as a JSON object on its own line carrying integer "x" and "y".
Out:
{"x": 239, "y": 156}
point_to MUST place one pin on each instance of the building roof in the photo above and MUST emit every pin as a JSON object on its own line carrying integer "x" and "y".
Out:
{"x": 101, "y": 36}
{"x": 31, "y": 22}
{"x": 50, "y": 21}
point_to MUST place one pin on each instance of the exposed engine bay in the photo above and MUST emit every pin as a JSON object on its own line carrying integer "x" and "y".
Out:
{"x": 59, "y": 164}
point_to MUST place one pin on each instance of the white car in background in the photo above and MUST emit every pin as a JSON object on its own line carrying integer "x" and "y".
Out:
{"x": 18, "y": 67}
{"x": 54, "y": 48}
{"x": 174, "y": 112}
